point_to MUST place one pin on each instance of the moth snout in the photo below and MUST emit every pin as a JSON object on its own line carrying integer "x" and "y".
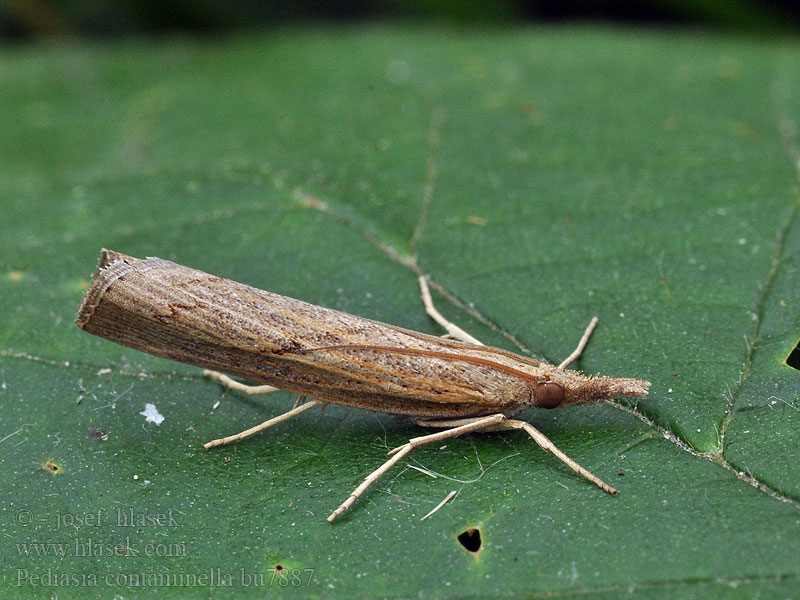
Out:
{"x": 602, "y": 387}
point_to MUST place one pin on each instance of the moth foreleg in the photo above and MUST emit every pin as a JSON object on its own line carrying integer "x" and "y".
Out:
{"x": 581, "y": 345}
{"x": 454, "y": 331}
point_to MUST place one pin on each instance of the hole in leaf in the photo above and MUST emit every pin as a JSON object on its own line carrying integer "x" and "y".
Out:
{"x": 794, "y": 357}
{"x": 471, "y": 539}
{"x": 52, "y": 467}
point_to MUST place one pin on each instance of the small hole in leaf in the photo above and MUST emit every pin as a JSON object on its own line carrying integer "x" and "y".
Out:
{"x": 794, "y": 358}
{"x": 471, "y": 539}
{"x": 52, "y": 467}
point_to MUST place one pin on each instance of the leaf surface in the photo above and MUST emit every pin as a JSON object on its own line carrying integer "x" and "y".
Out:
{"x": 539, "y": 177}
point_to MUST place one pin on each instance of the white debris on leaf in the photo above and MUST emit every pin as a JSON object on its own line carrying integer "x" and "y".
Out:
{"x": 151, "y": 414}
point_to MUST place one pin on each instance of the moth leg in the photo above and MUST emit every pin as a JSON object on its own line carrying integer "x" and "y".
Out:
{"x": 235, "y": 385}
{"x": 548, "y": 446}
{"x": 453, "y": 330}
{"x": 541, "y": 439}
{"x": 323, "y": 405}
{"x": 475, "y": 424}
{"x": 581, "y": 345}
{"x": 265, "y": 425}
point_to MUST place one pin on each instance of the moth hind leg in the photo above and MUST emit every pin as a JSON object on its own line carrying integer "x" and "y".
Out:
{"x": 459, "y": 427}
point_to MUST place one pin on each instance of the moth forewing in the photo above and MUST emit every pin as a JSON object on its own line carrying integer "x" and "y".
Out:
{"x": 183, "y": 314}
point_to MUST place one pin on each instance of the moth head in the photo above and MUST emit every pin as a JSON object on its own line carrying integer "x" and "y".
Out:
{"x": 562, "y": 387}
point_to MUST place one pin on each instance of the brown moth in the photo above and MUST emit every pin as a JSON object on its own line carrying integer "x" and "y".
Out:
{"x": 175, "y": 312}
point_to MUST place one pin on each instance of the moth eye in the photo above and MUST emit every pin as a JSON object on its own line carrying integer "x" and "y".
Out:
{"x": 549, "y": 395}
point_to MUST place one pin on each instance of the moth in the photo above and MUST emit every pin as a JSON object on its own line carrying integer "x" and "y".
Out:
{"x": 456, "y": 385}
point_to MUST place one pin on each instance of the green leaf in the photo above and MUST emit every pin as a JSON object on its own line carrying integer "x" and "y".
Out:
{"x": 540, "y": 177}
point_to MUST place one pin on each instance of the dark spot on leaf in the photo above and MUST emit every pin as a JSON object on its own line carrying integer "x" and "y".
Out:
{"x": 52, "y": 467}
{"x": 279, "y": 567}
{"x": 621, "y": 474}
{"x": 794, "y": 357}
{"x": 99, "y": 434}
{"x": 471, "y": 539}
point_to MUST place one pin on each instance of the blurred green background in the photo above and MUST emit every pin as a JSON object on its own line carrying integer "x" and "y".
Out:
{"x": 35, "y": 18}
